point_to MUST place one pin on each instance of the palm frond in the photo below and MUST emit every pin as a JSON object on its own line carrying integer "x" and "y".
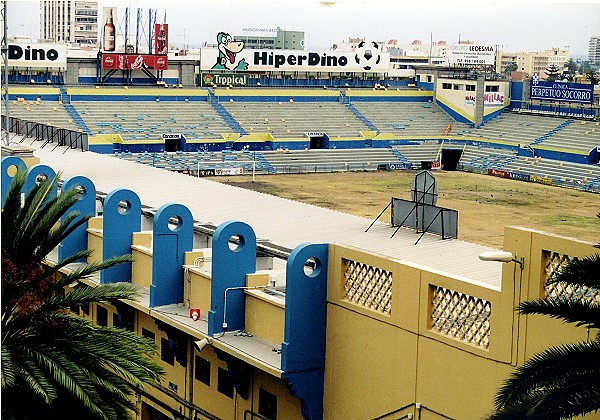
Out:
{"x": 554, "y": 369}
{"x": 579, "y": 273}
{"x": 571, "y": 310}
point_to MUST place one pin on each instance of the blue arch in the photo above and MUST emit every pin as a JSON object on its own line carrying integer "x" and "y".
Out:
{"x": 7, "y": 162}
{"x": 86, "y": 205}
{"x": 168, "y": 251}
{"x": 303, "y": 347}
{"x": 118, "y": 226}
{"x": 229, "y": 270}
{"x": 32, "y": 175}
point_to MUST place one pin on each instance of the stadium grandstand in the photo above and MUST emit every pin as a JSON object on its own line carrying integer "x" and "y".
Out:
{"x": 279, "y": 130}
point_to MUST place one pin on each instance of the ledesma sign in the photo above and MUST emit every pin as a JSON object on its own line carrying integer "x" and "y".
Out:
{"x": 471, "y": 54}
{"x": 37, "y": 55}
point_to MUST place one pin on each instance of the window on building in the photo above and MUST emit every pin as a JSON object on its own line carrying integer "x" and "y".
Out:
{"x": 148, "y": 334}
{"x": 85, "y": 308}
{"x": 470, "y": 88}
{"x": 492, "y": 88}
{"x": 202, "y": 370}
{"x": 101, "y": 316}
{"x": 457, "y": 86}
{"x": 446, "y": 85}
{"x": 224, "y": 385}
{"x": 267, "y": 404}
{"x": 166, "y": 354}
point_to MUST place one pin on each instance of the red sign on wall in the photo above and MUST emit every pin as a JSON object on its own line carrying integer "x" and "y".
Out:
{"x": 134, "y": 62}
{"x": 161, "y": 38}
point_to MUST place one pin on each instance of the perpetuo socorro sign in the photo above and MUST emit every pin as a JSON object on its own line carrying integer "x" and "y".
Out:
{"x": 564, "y": 92}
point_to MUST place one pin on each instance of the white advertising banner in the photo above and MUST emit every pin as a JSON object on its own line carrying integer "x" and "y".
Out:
{"x": 362, "y": 60}
{"x": 37, "y": 55}
{"x": 470, "y": 54}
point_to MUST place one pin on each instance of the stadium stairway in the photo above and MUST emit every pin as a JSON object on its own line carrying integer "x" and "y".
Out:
{"x": 362, "y": 118}
{"x": 401, "y": 158}
{"x": 551, "y": 132}
{"x": 264, "y": 163}
{"x": 66, "y": 101}
{"x": 227, "y": 117}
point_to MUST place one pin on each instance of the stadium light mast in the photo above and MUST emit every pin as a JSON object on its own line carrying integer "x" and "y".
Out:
{"x": 5, "y": 137}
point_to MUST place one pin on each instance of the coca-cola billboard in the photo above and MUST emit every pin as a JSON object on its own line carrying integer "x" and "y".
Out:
{"x": 161, "y": 38}
{"x": 134, "y": 62}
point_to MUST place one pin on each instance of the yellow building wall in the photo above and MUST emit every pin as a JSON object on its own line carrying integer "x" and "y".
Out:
{"x": 264, "y": 317}
{"x": 141, "y": 251}
{"x": 381, "y": 358}
{"x": 288, "y": 406}
{"x": 455, "y": 99}
{"x": 200, "y": 290}
{"x": 370, "y": 366}
{"x": 208, "y": 397}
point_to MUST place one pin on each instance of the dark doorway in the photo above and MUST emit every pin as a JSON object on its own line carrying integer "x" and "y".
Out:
{"x": 317, "y": 143}
{"x": 171, "y": 145}
{"x": 450, "y": 158}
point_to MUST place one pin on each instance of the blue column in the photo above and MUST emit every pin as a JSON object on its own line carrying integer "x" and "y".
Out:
{"x": 86, "y": 204}
{"x": 34, "y": 172}
{"x": 229, "y": 270}
{"x": 118, "y": 226}
{"x": 7, "y": 163}
{"x": 168, "y": 251}
{"x": 303, "y": 347}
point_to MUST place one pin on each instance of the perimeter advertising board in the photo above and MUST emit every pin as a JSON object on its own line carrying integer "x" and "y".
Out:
{"x": 37, "y": 55}
{"x": 471, "y": 54}
{"x": 362, "y": 60}
{"x": 561, "y": 91}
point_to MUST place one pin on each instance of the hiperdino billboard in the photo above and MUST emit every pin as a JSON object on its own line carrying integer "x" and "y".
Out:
{"x": 224, "y": 79}
{"x": 366, "y": 58}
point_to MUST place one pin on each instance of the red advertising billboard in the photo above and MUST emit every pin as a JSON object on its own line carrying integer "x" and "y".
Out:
{"x": 134, "y": 62}
{"x": 161, "y": 38}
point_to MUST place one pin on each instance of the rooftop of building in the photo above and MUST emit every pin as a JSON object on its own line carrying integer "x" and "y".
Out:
{"x": 282, "y": 223}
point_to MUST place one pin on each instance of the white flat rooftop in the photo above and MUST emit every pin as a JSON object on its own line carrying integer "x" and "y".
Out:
{"x": 277, "y": 220}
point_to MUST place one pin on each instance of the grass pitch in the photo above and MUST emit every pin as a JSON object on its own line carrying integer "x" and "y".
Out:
{"x": 485, "y": 204}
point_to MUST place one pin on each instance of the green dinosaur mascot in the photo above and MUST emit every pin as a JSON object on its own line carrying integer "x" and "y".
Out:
{"x": 228, "y": 48}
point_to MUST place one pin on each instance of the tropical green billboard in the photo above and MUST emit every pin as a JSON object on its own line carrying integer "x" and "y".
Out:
{"x": 224, "y": 79}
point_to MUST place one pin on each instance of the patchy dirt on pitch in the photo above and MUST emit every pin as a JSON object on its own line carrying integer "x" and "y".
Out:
{"x": 485, "y": 204}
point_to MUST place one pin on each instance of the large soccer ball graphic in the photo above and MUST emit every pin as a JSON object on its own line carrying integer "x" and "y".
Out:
{"x": 367, "y": 54}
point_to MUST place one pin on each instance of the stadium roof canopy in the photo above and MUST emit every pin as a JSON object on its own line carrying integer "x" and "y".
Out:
{"x": 282, "y": 222}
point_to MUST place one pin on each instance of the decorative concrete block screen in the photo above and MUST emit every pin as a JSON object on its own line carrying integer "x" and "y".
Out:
{"x": 553, "y": 262}
{"x": 460, "y": 316}
{"x": 368, "y": 286}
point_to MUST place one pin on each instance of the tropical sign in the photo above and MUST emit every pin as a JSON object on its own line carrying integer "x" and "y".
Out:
{"x": 224, "y": 79}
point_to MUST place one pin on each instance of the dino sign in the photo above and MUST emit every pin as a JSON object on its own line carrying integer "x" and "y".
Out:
{"x": 228, "y": 48}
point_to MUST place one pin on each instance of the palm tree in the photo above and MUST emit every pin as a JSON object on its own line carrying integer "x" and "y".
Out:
{"x": 552, "y": 73}
{"x": 563, "y": 381}
{"x": 56, "y": 364}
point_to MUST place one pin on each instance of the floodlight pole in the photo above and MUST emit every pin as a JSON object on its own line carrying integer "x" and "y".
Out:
{"x": 5, "y": 137}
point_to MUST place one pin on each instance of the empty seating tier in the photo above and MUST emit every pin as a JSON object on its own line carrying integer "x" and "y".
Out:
{"x": 136, "y": 120}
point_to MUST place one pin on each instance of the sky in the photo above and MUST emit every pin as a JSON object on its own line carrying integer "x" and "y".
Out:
{"x": 513, "y": 25}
